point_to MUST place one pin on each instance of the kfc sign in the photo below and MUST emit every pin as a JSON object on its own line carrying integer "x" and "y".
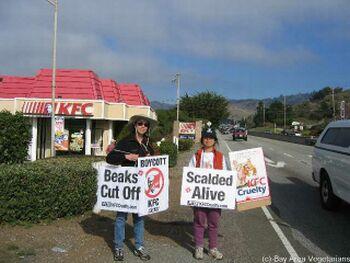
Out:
{"x": 187, "y": 128}
{"x": 61, "y": 108}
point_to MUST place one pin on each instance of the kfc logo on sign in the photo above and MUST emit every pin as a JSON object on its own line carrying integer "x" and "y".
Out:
{"x": 61, "y": 108}
{"x": 187, "y": 127}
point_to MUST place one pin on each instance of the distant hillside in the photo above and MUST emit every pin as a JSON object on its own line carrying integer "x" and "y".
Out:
{"x": 246, "y": 107}
{"x": 161, "y": 106}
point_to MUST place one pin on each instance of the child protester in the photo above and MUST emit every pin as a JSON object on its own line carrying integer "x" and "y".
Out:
{"x": 207, "y": 157}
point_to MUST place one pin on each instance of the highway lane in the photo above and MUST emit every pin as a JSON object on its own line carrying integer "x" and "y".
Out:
{"x": 295, "y": 205}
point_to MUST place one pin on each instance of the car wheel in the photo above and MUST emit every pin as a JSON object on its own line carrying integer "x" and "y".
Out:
{"x": 245, "y": 138}
{"x": 329, "y": 201}
{"x": 234, "y": 138}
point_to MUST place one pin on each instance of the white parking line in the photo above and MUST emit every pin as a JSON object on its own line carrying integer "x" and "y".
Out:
{"x": 289, "y": 155}
{"x": 304, "y": 162}
{"x": 293, "y": 254}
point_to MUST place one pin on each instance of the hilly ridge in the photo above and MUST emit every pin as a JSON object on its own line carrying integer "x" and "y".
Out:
{"x": 246, "y": 107}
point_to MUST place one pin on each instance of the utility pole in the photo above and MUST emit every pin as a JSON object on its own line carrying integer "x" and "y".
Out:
{"x": 342, "y": 110}
{"x": 263, "y": 114}
{"x": 284, "y": 112}
{"x": 333, "y": 104}
{"x": 177, "y": 80}
{"x": 53, "y": 85}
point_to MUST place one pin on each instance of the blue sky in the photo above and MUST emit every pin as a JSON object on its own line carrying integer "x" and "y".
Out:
{"x": 240, "y": 49}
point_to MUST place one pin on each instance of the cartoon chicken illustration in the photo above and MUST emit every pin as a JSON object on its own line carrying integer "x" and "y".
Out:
{"x": 154, "y": 183}
{"x": 244, "y": 171}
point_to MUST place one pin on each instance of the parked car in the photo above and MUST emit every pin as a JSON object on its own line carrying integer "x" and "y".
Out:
{"x": 331, "y": 164}
{"x": 297, "y": 134}
{"x": 240, "y": 133}
{"x": 288, "y": 132}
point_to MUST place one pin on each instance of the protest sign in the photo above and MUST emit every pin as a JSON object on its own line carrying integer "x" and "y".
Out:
{"x": 119, "y": 188}
{"x": 208, "y": 188}
{"x": 143, "y": 189}
{"x": 252, "y": 182}
{"x": 155, "y": 172}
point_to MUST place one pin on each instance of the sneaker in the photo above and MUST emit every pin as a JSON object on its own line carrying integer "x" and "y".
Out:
{"x": 216, "y": 254}
{"x": 142, "y": 254}
{"x": 198, "y": 253}
{"x": 119, "y": 254}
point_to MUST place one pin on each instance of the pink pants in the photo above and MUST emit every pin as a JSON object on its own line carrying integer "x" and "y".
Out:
{"x": 203, "y": 216}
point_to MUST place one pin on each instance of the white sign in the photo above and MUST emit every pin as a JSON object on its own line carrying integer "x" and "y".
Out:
{"x": 119, "y": 188}
{"x": 252, "y": 181}
{"x": 155, "y": 181}
{"x": 142, "y": 190}
{"x": 208, "y": 188}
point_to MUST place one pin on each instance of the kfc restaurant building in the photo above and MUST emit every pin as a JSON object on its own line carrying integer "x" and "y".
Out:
{"x": 89, "y": 111}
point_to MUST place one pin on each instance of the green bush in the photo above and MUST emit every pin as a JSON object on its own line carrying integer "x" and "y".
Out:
{"x": 169, "y": 148}
{"x": 185, "y": 144}
{"x": 47, "y": 189}
{"x": 15, "y": 136}
{"x": 165, "y": 122}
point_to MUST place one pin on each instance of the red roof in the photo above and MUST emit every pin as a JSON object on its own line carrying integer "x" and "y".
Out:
{"x": 111, "y": 91}
{"x": 11, "y": 87}
{"x": 71, "y": 84}
{"x": 132, "y": 94}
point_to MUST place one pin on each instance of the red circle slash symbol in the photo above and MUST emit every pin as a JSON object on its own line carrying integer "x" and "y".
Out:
{"x": 155, "y": 182}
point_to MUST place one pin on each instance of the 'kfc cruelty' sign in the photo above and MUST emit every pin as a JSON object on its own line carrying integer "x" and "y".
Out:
{"x": 252, "y": 181}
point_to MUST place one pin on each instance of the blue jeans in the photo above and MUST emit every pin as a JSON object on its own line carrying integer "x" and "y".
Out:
{"x": 119, "y": 229}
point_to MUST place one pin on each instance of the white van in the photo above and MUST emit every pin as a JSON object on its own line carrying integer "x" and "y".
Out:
{"x": 331, "y": 164}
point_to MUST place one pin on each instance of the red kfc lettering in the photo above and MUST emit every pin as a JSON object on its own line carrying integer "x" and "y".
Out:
{"x": 64, "y": 108}
{"x": 76, "y": 108}
{"x": 262, "y": 180}
{"x": 251, "y": 182}
{"x": 256, "y": 181}
{"x": 84, "y": 107}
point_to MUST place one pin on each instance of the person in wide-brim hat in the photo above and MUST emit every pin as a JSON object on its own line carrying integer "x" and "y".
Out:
{"x": 134, "y": 119}
{"x": 126, "y": 153}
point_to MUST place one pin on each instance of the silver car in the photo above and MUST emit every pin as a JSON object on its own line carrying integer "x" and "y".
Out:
{"x": 331, "y": 164}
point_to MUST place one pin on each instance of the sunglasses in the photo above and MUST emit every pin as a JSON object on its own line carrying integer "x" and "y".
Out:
{"x": 142, "y": 123}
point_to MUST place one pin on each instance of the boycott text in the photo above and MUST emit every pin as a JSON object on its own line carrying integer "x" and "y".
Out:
{"x": 153, "y": 162}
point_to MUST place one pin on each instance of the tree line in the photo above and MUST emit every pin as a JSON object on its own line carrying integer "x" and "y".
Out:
{"x": 205, "y": 106}
{"x": 319, "y": 107}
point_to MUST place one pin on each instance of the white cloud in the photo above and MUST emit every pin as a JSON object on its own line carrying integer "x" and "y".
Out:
{"x": 144, "y": 32}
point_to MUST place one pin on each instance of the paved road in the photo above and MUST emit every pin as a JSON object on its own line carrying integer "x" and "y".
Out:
{"x": 307, "y": 229}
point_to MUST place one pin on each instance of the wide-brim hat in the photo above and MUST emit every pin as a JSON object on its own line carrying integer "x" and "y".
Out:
{"x": 136, "y": 118}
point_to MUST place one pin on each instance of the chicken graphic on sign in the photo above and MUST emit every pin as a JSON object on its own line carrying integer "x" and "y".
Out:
{"x": 155, "y": 182}
{"x": 244, "y": 171}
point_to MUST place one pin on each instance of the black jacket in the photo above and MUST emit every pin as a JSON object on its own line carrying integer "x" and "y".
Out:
{"x": 130, "y": 145}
